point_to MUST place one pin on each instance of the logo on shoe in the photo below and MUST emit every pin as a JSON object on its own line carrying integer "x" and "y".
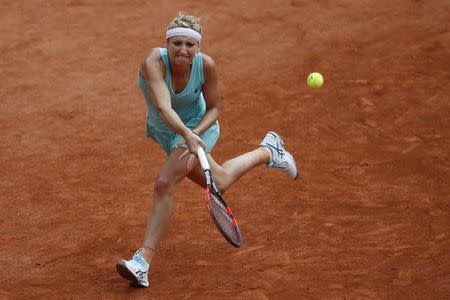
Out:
{"x": 141, "y": 274}
{"x": 279, "y": 151}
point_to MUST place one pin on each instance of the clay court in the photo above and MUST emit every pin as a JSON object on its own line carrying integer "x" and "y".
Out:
{"x": 369, "y": 218}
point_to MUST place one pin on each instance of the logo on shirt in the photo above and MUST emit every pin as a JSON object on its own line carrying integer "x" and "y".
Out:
{"x": 198, "y": 89}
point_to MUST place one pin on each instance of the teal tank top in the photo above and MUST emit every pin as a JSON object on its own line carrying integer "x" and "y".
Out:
{"x": 189, "y": 103}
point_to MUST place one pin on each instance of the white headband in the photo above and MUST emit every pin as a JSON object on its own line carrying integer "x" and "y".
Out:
{"x": 184, "y": 31}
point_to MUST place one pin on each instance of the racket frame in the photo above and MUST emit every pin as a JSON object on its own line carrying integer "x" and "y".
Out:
{"x": 211, "y": 188}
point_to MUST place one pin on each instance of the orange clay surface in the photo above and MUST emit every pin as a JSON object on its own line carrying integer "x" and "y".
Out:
{"x": 369, "y": 218}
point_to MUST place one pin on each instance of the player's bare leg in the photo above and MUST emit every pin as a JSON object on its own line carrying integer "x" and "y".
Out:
{"x": 173, "y": 170}
{"x": 271, "y": 152}
{"x": 136, "y": 269}
{"x": 228, "y": 173}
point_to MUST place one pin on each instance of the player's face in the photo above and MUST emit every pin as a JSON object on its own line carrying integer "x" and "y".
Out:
{"x": 182, "y": 49}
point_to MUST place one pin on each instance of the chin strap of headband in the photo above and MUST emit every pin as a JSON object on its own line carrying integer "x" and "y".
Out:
{"x": 184, "y": 31}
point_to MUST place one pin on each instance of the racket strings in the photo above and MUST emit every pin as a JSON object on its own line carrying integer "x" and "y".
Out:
{"x": 224, "y": 218}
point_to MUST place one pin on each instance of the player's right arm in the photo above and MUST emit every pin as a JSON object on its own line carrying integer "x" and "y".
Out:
{"x": 153, "y": 71}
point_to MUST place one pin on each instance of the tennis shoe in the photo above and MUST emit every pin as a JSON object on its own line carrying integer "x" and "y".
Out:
{"x": 135, "y": 270}
{"x": 279, "y": 157}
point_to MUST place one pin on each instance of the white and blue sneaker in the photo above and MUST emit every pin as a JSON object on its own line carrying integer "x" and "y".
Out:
{"x": 135, "y": 270}
{"x": 279, "y": 157}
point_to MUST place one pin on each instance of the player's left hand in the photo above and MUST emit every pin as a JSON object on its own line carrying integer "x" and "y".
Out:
{"x": 197, "y": 141}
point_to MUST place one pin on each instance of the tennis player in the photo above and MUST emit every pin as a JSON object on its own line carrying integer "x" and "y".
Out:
{"x": 180, "y": 87}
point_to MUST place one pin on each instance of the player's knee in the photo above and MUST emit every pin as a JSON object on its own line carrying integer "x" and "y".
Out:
{"x": 162, "y": 186}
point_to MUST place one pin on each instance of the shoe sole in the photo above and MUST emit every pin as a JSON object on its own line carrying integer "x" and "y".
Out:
{"x": 123, "y": 271}
{"x": 297, "y": 172}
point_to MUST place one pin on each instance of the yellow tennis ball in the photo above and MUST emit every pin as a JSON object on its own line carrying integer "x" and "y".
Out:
{"x": 315, "y": 80}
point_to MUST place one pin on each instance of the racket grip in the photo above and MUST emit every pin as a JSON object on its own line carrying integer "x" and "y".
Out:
{"x": 202, "y": 157}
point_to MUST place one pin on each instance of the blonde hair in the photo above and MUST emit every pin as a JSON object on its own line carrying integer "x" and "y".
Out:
{"x": 186, "y": 21}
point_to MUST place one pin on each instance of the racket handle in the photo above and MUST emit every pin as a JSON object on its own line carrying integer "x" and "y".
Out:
{"x": 202, "y": 157}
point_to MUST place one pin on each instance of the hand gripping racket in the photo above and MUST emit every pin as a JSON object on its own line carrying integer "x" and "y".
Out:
{"x": 217, "y": 207}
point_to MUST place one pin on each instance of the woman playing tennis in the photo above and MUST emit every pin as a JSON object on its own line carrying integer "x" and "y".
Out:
{"x": 180, "y": 87}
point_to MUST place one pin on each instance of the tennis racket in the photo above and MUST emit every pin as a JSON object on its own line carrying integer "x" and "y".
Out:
{"x": 218, "y": 209}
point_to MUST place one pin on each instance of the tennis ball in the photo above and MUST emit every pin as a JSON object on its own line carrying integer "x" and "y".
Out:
{"x": 315, "y": 80}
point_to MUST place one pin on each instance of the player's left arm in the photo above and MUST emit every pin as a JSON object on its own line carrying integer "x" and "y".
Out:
{"x": 211, "y": 94}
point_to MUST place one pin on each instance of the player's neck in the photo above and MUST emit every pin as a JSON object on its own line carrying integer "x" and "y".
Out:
{"x": 180, "y": 70}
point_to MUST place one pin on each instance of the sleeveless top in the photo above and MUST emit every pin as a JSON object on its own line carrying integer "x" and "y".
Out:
{"x": 189, "y": 103}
